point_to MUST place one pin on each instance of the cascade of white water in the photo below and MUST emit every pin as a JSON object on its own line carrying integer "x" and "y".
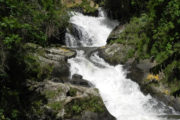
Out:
{"x": 122, "y": 96}
{"x": 98, "y": 29}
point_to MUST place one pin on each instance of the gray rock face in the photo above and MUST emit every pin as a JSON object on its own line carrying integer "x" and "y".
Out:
{"x": 78, "y": 80}
{"x": 55, "y": 57}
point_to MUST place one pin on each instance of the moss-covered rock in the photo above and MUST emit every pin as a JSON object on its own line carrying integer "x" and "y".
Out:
{"x": 117, "y": 54}
{"x": 48, "y": 62}
{"x": 68, "y": 101}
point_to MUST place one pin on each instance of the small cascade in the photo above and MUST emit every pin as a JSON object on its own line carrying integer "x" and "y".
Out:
{"x": 88, "y": 31}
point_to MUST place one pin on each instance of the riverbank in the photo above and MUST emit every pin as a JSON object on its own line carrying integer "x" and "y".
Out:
{"x": 139, "y": 70}
{"x": 34, "y": 73}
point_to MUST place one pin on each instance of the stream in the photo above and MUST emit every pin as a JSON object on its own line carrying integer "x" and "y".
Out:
{"x": 121, "y": 96}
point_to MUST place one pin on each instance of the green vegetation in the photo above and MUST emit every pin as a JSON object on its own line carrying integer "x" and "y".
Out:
{"x": 87, "y": 7}
{"x": 26, "y": 26}
{"x": 125, "y": 9}
{"x": 41, "y": 22}
{"x": 72, "y": 92}
{"x": 56, "y": 105}
{"x": 155, "y": 35}
{"x": 50, "y": 94}
{"x": 153, "y": 31}
{"x": 77, "y": 106}
{"x": 134, "y": 31}
{"x": 31, "y": 21}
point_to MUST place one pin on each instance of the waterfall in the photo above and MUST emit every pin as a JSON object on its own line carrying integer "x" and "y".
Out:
{"x": 122, "y": 96}
{"x": 98, "y": 29}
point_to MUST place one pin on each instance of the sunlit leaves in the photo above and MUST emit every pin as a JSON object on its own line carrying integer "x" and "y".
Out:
{"x": 11, "y": 40}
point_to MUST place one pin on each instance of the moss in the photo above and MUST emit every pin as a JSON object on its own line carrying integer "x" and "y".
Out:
{"x": 50, "y": 94}
{"x": 77, "y": 106}
{"x": 44, "y": 71}
{"x": 31, "y": 46}
{"x": 58, "y": 105}
{"x": 64, "y": 49}
{"x": 40, "y": 52}
{"x": 72, "y": 92}
{"x": 130, "y": 53}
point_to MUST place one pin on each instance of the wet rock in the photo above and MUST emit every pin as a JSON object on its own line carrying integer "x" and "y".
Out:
{"x": 115, "y": 33}
{"x": 116, "y": 54}
{"x": 76, "y": 76}
{"x": 79, "y": 34}
{"x": 78, "y": 80}
{"x": 139, "y": 70}
{"x": 58, "y": 80}
{"x": 61, "y": 71}
{"x": 59, "y": 53}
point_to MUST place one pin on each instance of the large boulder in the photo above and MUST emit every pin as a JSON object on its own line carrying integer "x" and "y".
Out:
{"x": 116, "y": 54}
{"x": 71, "y": 102}
{"x": 78, "y": 80}
{"x": 53, "y": 57}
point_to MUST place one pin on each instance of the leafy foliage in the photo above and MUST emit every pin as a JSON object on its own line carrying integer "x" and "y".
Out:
{"x": 124, "y": 9}
{"x": 26, "y": 21}
{"x": 156, "y": 36}
{"x": 31, "y": 21}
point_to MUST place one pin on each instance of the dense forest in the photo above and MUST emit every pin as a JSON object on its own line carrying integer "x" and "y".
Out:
{"x": 153, "y": 26}
{"x": 41, "y": 22}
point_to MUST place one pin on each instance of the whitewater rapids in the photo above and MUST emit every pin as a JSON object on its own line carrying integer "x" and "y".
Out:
{"x": 122, "y": 96}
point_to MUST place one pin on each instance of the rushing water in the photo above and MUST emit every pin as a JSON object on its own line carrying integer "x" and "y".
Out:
{"x": 121, "y": 96}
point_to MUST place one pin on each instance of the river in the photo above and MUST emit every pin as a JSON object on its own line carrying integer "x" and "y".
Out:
{"x": 122, "y": 97}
